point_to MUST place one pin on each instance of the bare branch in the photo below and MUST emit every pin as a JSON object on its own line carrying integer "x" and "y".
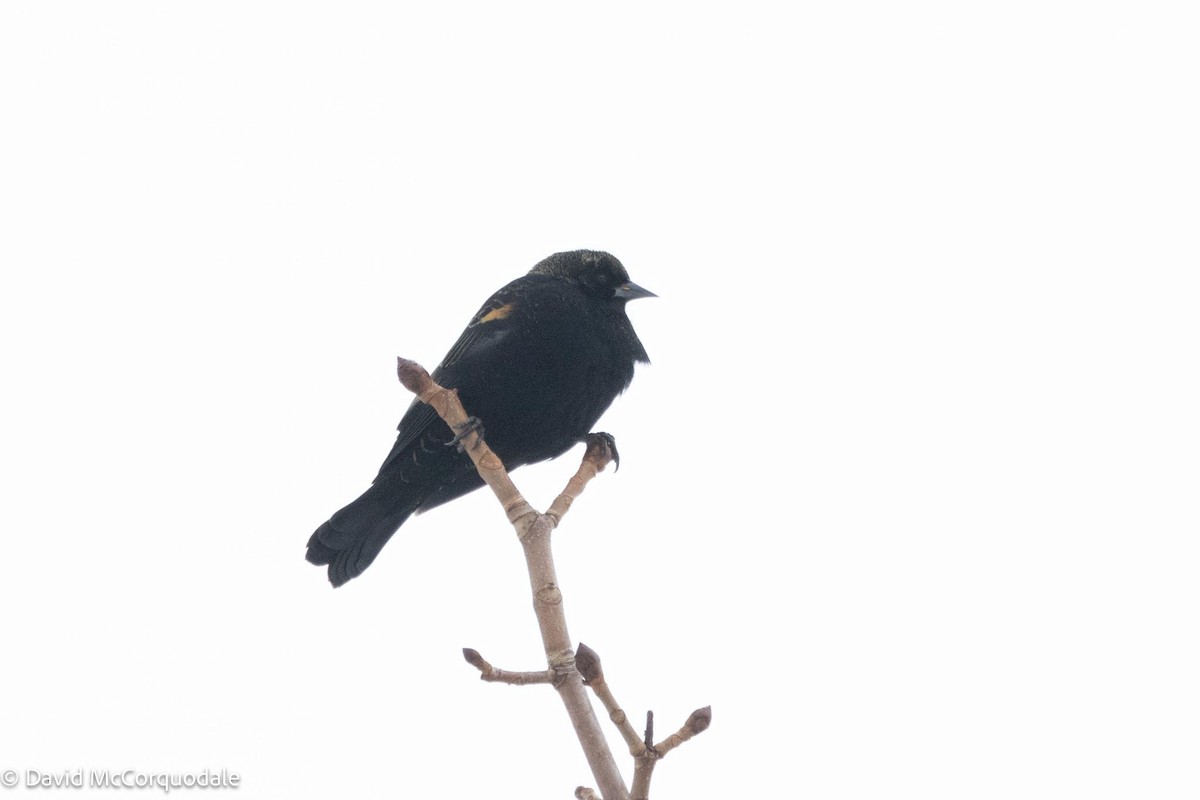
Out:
{"x": 588, "y": 661}
{"x": 494, "y": 675}
{"x": 568, "y": 672}
{"x": 601, "y": 450}
{"x": 533, "y": 531}
{"x": 646, "y": 755}
{"x": 643, "y": 769}
{"x": 697, "y": 722}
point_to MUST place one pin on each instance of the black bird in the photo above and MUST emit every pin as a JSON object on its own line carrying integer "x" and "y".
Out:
{"x": 537, "y": 366}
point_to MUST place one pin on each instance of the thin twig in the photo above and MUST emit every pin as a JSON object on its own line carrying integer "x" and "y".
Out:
{"x": 601, "y": 450}
{"x": 588, "y": 661}
{"x": 697, "y": 722}
{"x": 495, "y": 675}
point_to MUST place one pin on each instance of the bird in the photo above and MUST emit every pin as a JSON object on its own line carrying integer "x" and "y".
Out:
{"x": 536, "y": 366}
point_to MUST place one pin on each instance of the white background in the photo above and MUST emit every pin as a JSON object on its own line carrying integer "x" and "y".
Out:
{"x": 909, "y": 494}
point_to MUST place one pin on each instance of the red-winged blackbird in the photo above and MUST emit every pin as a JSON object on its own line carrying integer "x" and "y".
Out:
{"x": 537, "y": 366}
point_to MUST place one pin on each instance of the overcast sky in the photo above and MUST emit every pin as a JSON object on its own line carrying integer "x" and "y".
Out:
{"x": 908, "y": 494}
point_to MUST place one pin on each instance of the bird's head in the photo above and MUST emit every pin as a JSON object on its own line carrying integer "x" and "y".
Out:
{"x": 599, "y": 273}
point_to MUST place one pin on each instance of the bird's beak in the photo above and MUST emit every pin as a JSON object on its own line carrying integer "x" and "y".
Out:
{"x": 631, "y": 291}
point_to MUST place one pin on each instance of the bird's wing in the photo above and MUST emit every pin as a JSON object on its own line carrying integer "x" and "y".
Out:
{"x": 489, "y": 327}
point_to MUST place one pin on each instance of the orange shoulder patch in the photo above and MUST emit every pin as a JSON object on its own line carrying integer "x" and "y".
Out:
{"x": 497, "y": 313}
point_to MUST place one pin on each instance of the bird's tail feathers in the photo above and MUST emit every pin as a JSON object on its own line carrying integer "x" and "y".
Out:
{"x": 353, "y": 536}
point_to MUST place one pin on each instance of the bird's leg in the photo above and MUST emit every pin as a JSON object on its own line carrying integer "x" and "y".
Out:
{"x": 473, "y": 424}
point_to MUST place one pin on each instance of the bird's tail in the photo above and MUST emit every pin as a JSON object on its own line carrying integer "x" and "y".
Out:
{"x": 352, "y": 537}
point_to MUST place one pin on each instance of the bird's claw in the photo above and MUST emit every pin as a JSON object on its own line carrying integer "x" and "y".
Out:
{"x": 472, "y": 425}
{"x": 606, "y": 444}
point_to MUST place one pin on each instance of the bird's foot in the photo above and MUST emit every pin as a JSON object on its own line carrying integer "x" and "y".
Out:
{"x": 472, "y": 425}
{"x": 603, "y": 447}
